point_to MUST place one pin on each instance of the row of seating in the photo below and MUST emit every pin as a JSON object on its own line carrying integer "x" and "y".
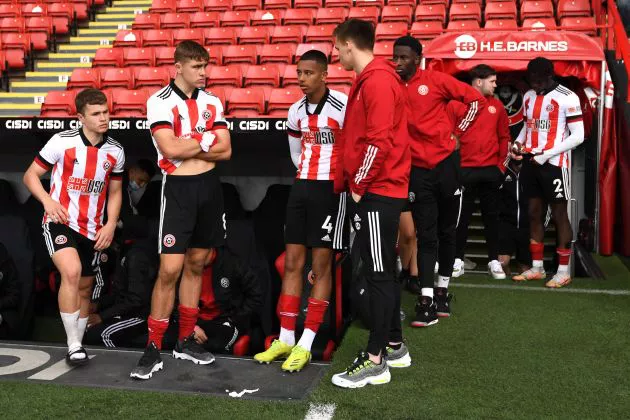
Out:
{"x": 70, "y": 11}
{"x": 77, "y": 3}
{"x": 47, "y": 24}
{"x": 239, "y": 102}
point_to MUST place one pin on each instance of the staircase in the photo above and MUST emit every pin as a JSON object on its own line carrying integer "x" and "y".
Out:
{"x": 52, "y": 73}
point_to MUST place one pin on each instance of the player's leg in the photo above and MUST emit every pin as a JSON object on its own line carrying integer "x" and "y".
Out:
{"x": 506, "y": 244}
{"x": 489, "y": 201}
{"x": 469, "y": 193}
{"x": 85, "y": 294}
{"x": 408, "y": 250}
{"x": 560, "y": 214}
{"x": 397, "y": 352}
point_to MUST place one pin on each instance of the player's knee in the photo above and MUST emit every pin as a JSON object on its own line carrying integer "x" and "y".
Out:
{"x": 293, "y": 263}
{"x": 168, "y": 274}
{"x": 71, "y": 274}
{"x": 322, "y": 267}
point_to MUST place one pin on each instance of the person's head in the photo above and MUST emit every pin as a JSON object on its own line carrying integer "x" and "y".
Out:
{"x": 354, "y": 39}
{"x": 312, "y": 70}
{"x": 407, "y": 54}
{"x": 92, "y": 110}
{"x": 191, "y": 60}
{"x": 540, "y": 74}
{"x": 141, "y": 173}
{"x": 484, "y": 79}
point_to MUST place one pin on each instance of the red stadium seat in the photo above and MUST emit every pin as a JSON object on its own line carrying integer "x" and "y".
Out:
{"x": 267, "y": 17}
{"x": 116, "y": 77}
{"x": 59, "y": 103}
{"x": 539, "y": 24}
{"x": 468, "y": 1}
{"x": 226, "y": 76}
{"x": 370, "y": 14}
{"x": 252, "y": 5}
{"x": 500, "y": 10}
{"x": 339, "y": 3}
{"x": 138, "y": 57}
{"x": 163, "y": 6}
{"x": 246, "y": 102}
{"x": 574, "y": 8}
{"x": 426, "y": 29}
{"x": 531, "y": 9}
{"x": 219, "y": 36}
{"x": 164, "y": 56}
{"x": 216, "y": 54}
{"x": 463, "y": 25}
{"x": 12, "y": 25}
{"x": 254, "y": 35}
{"x": 370, "y": 3}
{"x": 277, "y": 53}
{"x": 128, "y": 38}
{"x": 62, "y": 10}
{"x": 240, "y": 54}
{"x": 396, "y": 14}
{"x": 324, "y": 47}
{"x": 337, "y": 75}
{"x": 277, "y": 4}
{"x": 147, "y": 21}
{"x": 175, "y": 21}
{"x": 195, "y": 34}
{"x": 81, "y": 10}
{"x": 289, "y": 77}
{"x": 280, "y": 100}
{"x": 506, "y": 24}
{"x": 390, "y": 31}
{"x": 12, "y": 58}
{"x": 16, "y": 41}
{"x": 151, "y": 76}
{"x": 308, "y": 4}
{"x": 205, "y": 20}
{"x": 236, "y": 18}
{"x": 411, "y": 3}
{"x": 217, "y": 5}
{"x": 34, "y": 10}
{"x": 430, "y": 12}
{"x": 189, "y": 6}
{"x": 579, "y": 24}
{"x": 463, "y": 11}
{"x": 129, "y": 103}
{"x": 320, "y": 33}
{"x": 84, "y": 78}
{"x": 291, "y": 33}
{"x": 39, "y": 24}
{"x": 10, "y": 11}
{"x": 263, "y": 75}
{"x": 331, "y": 15}
{"x": 299, "y": 16}
{"x": 112, "y": 57}
{"x": 219, "y": 92}
{"x": 384, "y": 49}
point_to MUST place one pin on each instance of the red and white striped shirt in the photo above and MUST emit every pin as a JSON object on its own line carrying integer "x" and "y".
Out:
{"x": 171, "y": 108}
{"x": 546, "y": 121}
{"x": 80, "y": 176}
{"x": 317, "y": 125}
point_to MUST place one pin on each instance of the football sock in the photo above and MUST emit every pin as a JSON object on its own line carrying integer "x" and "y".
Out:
{"x": 187, "y": 320}
{"x": 287, "y": 309}
{"x": 70, "y": 321}
{"x": 314, "y": 317}
{"x": 157, "y": 328}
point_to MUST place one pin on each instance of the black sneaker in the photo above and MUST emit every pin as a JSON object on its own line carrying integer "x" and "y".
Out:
{"x": 425, "y": 313}
{"x": 413, "y": 285}
{"x": 149, "y": 363}
{"x": 189, "y": 349}
{"x": 77, "y": 357}
{"x": 443, "y": 303}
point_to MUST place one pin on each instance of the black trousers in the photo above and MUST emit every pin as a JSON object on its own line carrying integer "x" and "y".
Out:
{"x": 484, "y": 183}
{"x": 375, "y": 219}
{"x": 118, "y": 332}
{"x": 436, "y": 207}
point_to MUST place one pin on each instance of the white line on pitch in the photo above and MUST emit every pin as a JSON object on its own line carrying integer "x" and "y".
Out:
{"x": 320, "y": 412}
{"x": 611, "y": 292}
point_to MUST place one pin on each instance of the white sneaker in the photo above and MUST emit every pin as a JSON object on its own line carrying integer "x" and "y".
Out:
{"x": 495, "y": 270}
{"x": 458, "y": 268}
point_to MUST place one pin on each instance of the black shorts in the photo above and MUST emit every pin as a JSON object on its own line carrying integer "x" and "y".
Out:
{"x": 410, "y": 199}
{"x": 514, "y": 241}
{"x": 191, "y": 214}
{"x": 547, "y": 181}
{"x": 58, "y": 236}
{"x": 315, "y": 215}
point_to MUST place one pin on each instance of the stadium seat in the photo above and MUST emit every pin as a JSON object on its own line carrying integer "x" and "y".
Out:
{"x": 290, "y": 33}
{"x": 175, "y": 21}
{"x": 267, "y": 17}
{"x": 151, "y": 76}
{"x": 252, "y": 5}
{"x": 63, "y": 10}
{"x": 370, "y": 14}
{"x": 138, "y": 57}
{"x": 12, "y": 25}
{"x": 280, "y": 100}
{"x": 84, "y": 78}
{"x": 34, "y": 10}
{"x": 463, "y": 11}
{"x": 426, "y": 29}
{"x": 10, "y": 10}
{"x": 507, "y": 24}
{"x": 579, "y": 24}
{"x": 277, "y": 4}
{"x": 307, "y": 4}
{"x": 219, "y": 92}
{"x": 13, "y": 58}
{"x": 277, "y": 53}
{"x": 216, "y": 54}
{"x": 240, "y": 54}
{"x": 189, "y": 6}
{"x": 112, "y": 57}
{"x": 219, "y": 36}
{"x": 370, "y": 3}
{"x": 324, "y": 47}
{"x": 246, "y": 102}
{"x": 390, "y": 31}
{"x": 320, "y": 33}
{"x": 146, "y": 21}
{"x": 217, "y": 5}
{"x": 411, "y": 3}
{"x": 205, "y": 20}
{"x": 396, "y": 14}
{"x": 163, "y": 6}
{"x": 188, "y": 34}
{"x": 331, "y": 16}
{"x": 40, "y": 24}
{"x": 463, "y": 25}
{"x": 384, "y": 49}
{"x": 573, "y": 8}
{"x": 531, "y": 9}
{"x": 129, "y": 103}
{"x": 500, "y": 10}
{"x": 164, "y": 56}
{"x": 16, "y": 41}
{"x": 254, "y": 35}
{"x": 299, "y": 16}
{"x": 128, "y": 38}
{"x": 236, "y": 18}
{"x": 339, "y": 3}
{"x": 80, "y": 9}
{"x": 337, "y": 75}
{"x": 116, "y": 77}
{"x": 539, "y": 24}
{"x": 430, "y": 12}
{"x": 289, "y": 76}
{"x": 263, "y": 75}
{"x": 59, "y": 103}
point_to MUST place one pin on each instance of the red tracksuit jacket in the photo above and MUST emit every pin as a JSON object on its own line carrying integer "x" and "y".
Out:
{"x": 374, "y": 151}
{"x": 430, "y": 128}
{"x": 485, "y": 143}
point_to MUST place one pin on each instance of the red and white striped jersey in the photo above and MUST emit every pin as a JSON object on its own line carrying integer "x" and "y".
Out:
{"x": 546, "y": 121}
{"x": 317, "y": 125}
{"x": 171, "y": 108}
{"x": 80, "y": 176}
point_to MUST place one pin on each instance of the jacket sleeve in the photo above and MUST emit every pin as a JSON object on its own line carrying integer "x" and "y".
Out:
{"x": 453, "y": 89}
{"x": 503, "y": 132}
{"x": 379, "y": 99}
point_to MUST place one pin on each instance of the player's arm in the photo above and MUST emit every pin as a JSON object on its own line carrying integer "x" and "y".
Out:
{"x": 295, "y": 138}
{"x": 220, "y": 149}
{"x": 575, "y": 123}
{"x": 105, "y": 235}
{"x": 454, "y": 90}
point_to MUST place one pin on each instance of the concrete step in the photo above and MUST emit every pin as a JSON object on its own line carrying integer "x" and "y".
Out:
{"x": 126, "y": 9}
{"x": 70, "y": 58}
{"x": 108, "y": 25}
{"x": 91, "y": 48}
{"x": 12, "y": 109}
{"x": 22, "y": 98}
{"x": 36, "y": 87}
{"x": 91, "y": 40}
{"x": 64, "y": 66}
{"x": 116, "y": 17}
{"x": 126, "y": 3}
{"x": 104, "y": 32}
{"x": 47, "y": 76}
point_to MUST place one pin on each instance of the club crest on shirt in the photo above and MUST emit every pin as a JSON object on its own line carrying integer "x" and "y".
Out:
{"x": 492, "y": 109}
{"x": 206, "y": 115}
{"x": 61, "y": 239}
{"x": 550, "y": 108}
{"x": 423, "y": 90}
{"x": 225, "y": 282}
{"x": 104, "y": 258}
{"x": 106, "y": 165}
{"x": 169, "y": 240}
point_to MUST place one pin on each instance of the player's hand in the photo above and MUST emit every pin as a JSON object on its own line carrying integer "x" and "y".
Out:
{"x": 206, "y": 140}
{"x": 356, "y": 197}
{"x": 540, "y": 159}
{"x": 457, "y": 142}
{"x": 94, "y": 319}
{"x": 516, "y": 151}
{"x": 104, "y": 237}
{"x": 56, "y": 212}
{"x": 200, "y": 335}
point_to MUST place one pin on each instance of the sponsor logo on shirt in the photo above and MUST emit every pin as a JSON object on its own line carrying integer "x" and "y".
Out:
{"x": 85, "y": 185}
{"x": 539, "y": 125}
{"x": 317, "y": 137}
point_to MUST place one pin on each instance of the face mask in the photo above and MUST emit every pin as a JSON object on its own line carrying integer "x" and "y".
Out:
{"x": 133, "y": 186}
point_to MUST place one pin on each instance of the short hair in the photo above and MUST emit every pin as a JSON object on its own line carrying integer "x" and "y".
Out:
{"x": 190, "y": 50}
{"x": 145, "y": 165}
{"x": 540, "y": 66}
{"x": 89, "y": 96}
{"x": 360, "y": 32}
{"x": 316, "y": 56}
{"x": 411, "y": 42}
{"x": 481, "y": 71}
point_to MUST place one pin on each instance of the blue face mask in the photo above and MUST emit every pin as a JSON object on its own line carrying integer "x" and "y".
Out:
{"x": 133, "y": 186}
